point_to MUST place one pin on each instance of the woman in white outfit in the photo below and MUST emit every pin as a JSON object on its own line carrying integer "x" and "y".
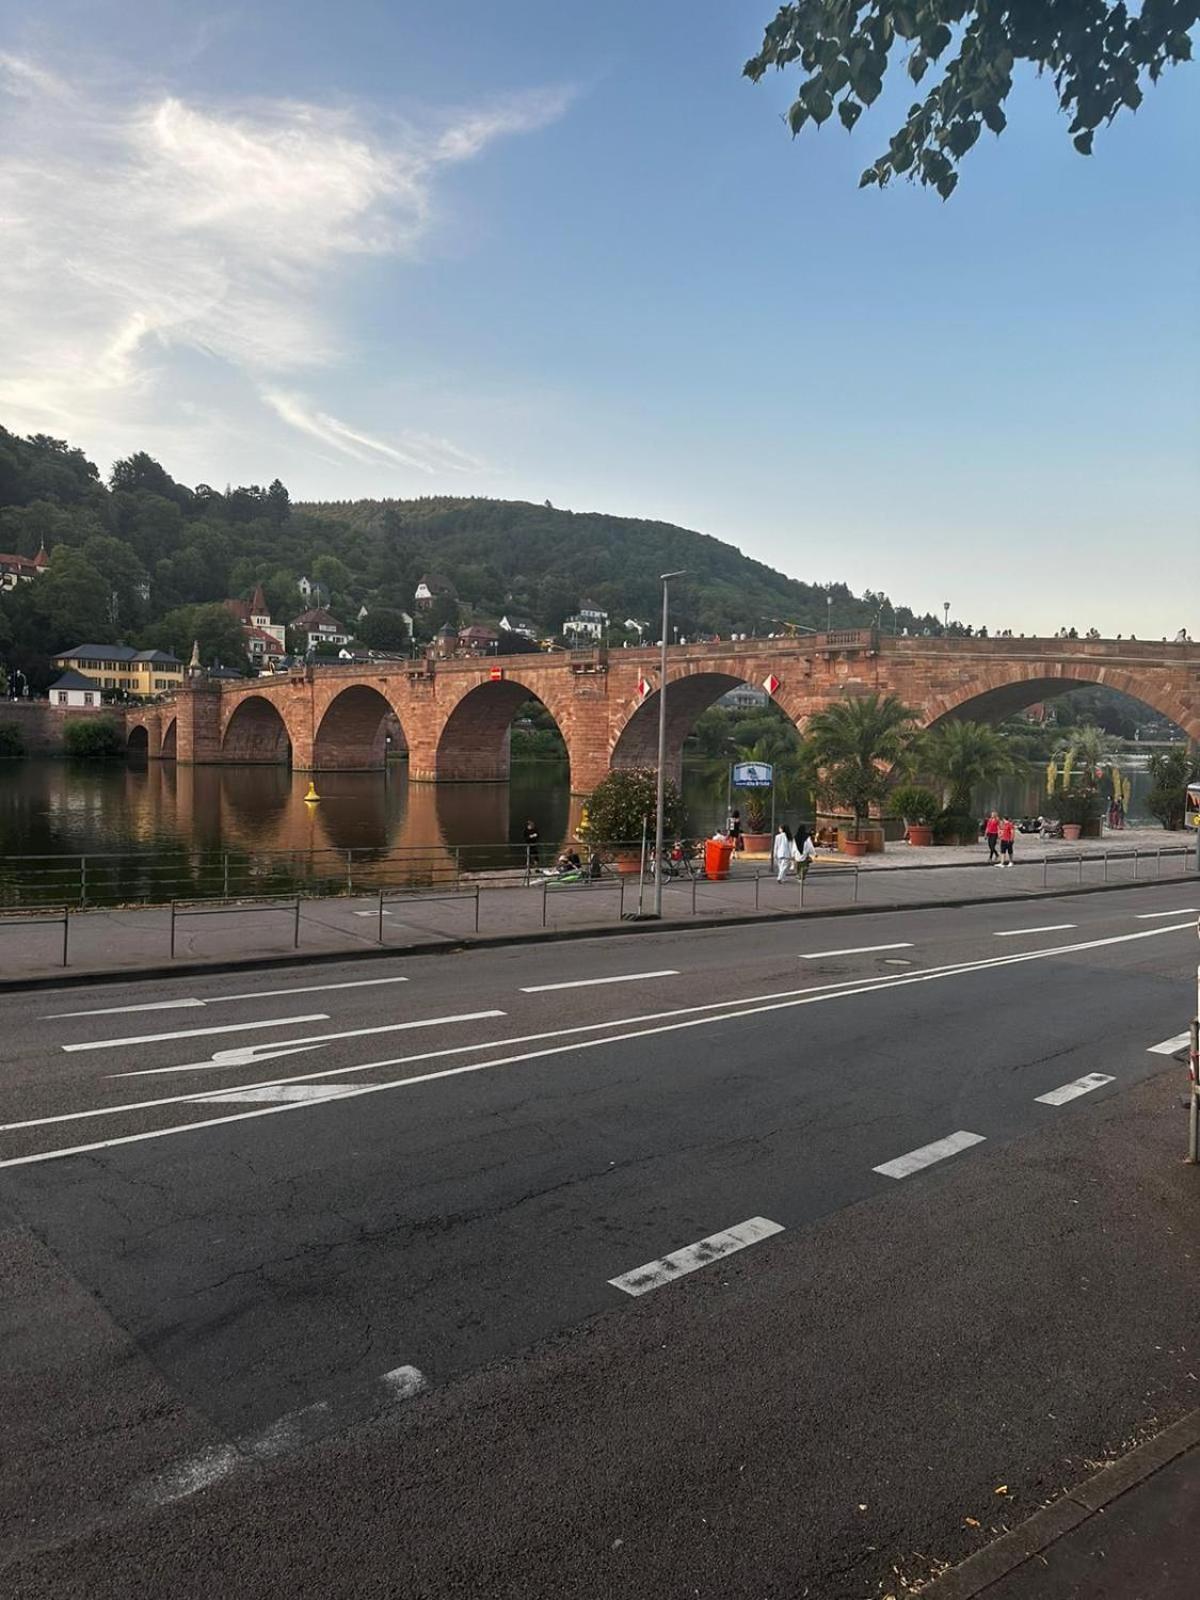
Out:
{"x": 781, "y": 852}
{"x": 803, "y": 852}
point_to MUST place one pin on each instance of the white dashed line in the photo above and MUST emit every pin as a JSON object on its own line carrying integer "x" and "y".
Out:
{"x": 1169, "y": 1046}
{"x": 225, "y": 999}
{"x": 403, "y": 1382}
{"x": 1072, "y": 1091}
{"x": 1018, "y": 933}
{"x": 273, "y": 1093}
{"x": 587, "y": 983}
{"x": 861, "y": 950}
{"x": 915, "y": 1160}
{"x": 1180, "y": 911}
{"x": 693, "y": 1256}
{"x": 197, "y": 1033}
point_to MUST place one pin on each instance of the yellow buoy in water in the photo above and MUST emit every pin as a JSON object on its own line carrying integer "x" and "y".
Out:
{"x": 312, "y": 794}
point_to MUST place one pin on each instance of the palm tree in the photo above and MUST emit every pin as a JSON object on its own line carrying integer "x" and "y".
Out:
{"x": 1087, "y": 747}
{"x": 965, "y": 755}
{"x": 861, "y": 746}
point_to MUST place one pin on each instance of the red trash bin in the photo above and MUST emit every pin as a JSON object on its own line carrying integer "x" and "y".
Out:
{"x": 717, "y": 855}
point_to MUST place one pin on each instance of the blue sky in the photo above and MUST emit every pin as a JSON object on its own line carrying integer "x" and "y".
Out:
{"x": 547, "y": 251}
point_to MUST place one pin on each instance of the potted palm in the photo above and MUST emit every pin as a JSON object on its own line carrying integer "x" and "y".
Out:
{"x": 622, "y": 808}
{"x": 918, "y": 807}
{"x": 964, "y": 756}
{"x": 859, "y": 747}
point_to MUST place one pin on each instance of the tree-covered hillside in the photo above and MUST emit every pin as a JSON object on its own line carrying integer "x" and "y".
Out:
{"x": 146, "y": 560}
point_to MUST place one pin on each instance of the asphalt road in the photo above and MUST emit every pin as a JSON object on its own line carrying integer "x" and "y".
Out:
{"x": 307, "y": 1278}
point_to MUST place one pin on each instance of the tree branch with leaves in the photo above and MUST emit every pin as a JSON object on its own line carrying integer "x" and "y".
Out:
{"x": 1096, "y": 53}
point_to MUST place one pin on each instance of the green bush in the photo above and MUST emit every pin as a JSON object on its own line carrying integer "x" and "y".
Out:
{"x": 955, "y": 825}
{"x": 93, "y": 739}
{"x": 619, "y": 804}
{"x": 915, "y": 804}
{"x": 1074, "y": 806}
{"x": 12, "y": 741}
{"x": 1171, "y": 771}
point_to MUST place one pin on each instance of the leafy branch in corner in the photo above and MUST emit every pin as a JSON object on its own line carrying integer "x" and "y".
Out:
{"x": 1095, "y": 52}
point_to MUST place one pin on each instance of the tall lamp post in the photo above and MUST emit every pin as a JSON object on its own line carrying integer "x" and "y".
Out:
{"x": 660, "y": 786}
{"x": 946, "y": 616}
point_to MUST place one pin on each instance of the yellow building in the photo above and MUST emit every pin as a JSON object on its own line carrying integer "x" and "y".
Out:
{"x": 120, "y": 666}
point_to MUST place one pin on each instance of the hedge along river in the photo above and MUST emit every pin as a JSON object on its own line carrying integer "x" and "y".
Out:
{"x": 156, "y": 830}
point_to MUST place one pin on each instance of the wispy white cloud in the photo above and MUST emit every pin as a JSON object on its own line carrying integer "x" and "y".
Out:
{"x": 139, "y": 236}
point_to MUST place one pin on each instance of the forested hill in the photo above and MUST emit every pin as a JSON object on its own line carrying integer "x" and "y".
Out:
{"x": 539, "y": 561}
{"x": 141, "y": 558}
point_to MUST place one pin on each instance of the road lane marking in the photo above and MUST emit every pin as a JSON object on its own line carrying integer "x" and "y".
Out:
{"x": 1169, "y": 1046}
{"x": 1072, "y": 1091}
{"x": 917, "y": 1160}
{"x": 1018, "y": 933}
{"x": 1182, "y": 911}
{"x": 275, "y": 1092}
{"x": 225, "y": 999}
{"x": 667, "y": 1268}
{"x": 862, "y": 950}
{"x": 247, "y": 1055}
{"x": 586, "y": 983}
{"x": 196, "y": 1033}
{"x": 815, "y": 994}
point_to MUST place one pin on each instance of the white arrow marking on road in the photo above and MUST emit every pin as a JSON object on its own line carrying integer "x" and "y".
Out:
{"x": 248, "y": 1054}
{"x": 586, "y": 983}
{"x": 1072, "y": 1091}
{"x": 862, "y": 950}
{"x": 198, "y": 1033}
{"x": 225, "y": 999}
{"x": 1017, "y": 933}
{"x": 916, "y": 1160}
{"x": 667, "y": 1268}
{"x": 1169, "y": 1046}
{"x": 276, "y": 1092}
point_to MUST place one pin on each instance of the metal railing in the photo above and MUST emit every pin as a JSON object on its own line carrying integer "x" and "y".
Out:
{"x": 184, "y": 911}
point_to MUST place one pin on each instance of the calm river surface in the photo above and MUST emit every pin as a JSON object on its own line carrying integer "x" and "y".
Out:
{"x": 188, "y": 819}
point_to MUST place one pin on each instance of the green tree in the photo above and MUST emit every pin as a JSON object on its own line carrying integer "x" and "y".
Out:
{"x": 624, "y": 802}
{"x": 93, "y": 739}
{"x": 1170, "y": 773}
{"x": 384, "y": 629}
{"x": 217, "y": 630}
{"x": 75, "y": 600}
{"x": 860, "y": 747}
{"x": 964, "y": 756}
{"x": 1097, "y": 54}
{"x": 1088, "y": 748}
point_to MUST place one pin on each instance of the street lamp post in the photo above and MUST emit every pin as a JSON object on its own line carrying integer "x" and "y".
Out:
{"x": 828, "y": 611}
{"x": 660, "y": 786}
{"x": 946, "y": 615}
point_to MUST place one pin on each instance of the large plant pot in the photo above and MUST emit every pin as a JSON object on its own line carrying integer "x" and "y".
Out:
{"x": 758, "y": 844}
{"x": 920, "y": 833}
{"x": 629, "y": 860}
{"x": 1072, "y": 831}
{"x": 852, "y": 847}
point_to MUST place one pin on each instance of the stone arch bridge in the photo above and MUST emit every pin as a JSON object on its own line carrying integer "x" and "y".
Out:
{"x": 453, "y": 717}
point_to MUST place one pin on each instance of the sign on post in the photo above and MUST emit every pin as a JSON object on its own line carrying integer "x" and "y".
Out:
{"x": 753, "y": 775}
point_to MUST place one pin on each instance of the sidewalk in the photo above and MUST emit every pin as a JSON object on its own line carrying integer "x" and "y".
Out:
{"x": 1128, "y": 1533}
{"x": 281, "y": 930}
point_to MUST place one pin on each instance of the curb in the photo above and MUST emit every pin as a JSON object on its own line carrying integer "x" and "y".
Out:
{"x": 73, "y": 977}
{"x": 1024, "y": 1543}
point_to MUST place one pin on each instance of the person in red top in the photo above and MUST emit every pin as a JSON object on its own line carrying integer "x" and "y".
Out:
{"x": 1007, "y": 834}
{"x": 991, "y": 832}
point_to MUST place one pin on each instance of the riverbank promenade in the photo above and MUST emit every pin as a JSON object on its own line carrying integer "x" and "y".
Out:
{"x": 47, "y": 942}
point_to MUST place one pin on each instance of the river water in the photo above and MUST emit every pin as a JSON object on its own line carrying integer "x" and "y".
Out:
{"x": 177, "y": 829}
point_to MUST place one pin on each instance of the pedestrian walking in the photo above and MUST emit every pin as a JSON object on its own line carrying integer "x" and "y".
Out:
{"x": 781, "y": 852}
{"x": 991, "y": 832}
{"x": 735, "y": 830}
{"x": 1007, "y": 835}
{"x": 803, "y": 852}
{"x": 532, "y": 838}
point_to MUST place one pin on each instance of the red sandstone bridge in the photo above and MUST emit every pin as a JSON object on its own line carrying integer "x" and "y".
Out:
{"x": 453, "y": 717}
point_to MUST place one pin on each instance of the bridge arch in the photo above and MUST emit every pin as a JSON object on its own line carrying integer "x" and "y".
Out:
{"x": 473, "y": 745}
{"x": 168, "y": 748}
{"x": 689, "y": 694}
{"x": 137, "y": 742}
{"x": 357, "y": 730}
{"x": 999, "y": 692}
{"x": 255, "y": 732}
